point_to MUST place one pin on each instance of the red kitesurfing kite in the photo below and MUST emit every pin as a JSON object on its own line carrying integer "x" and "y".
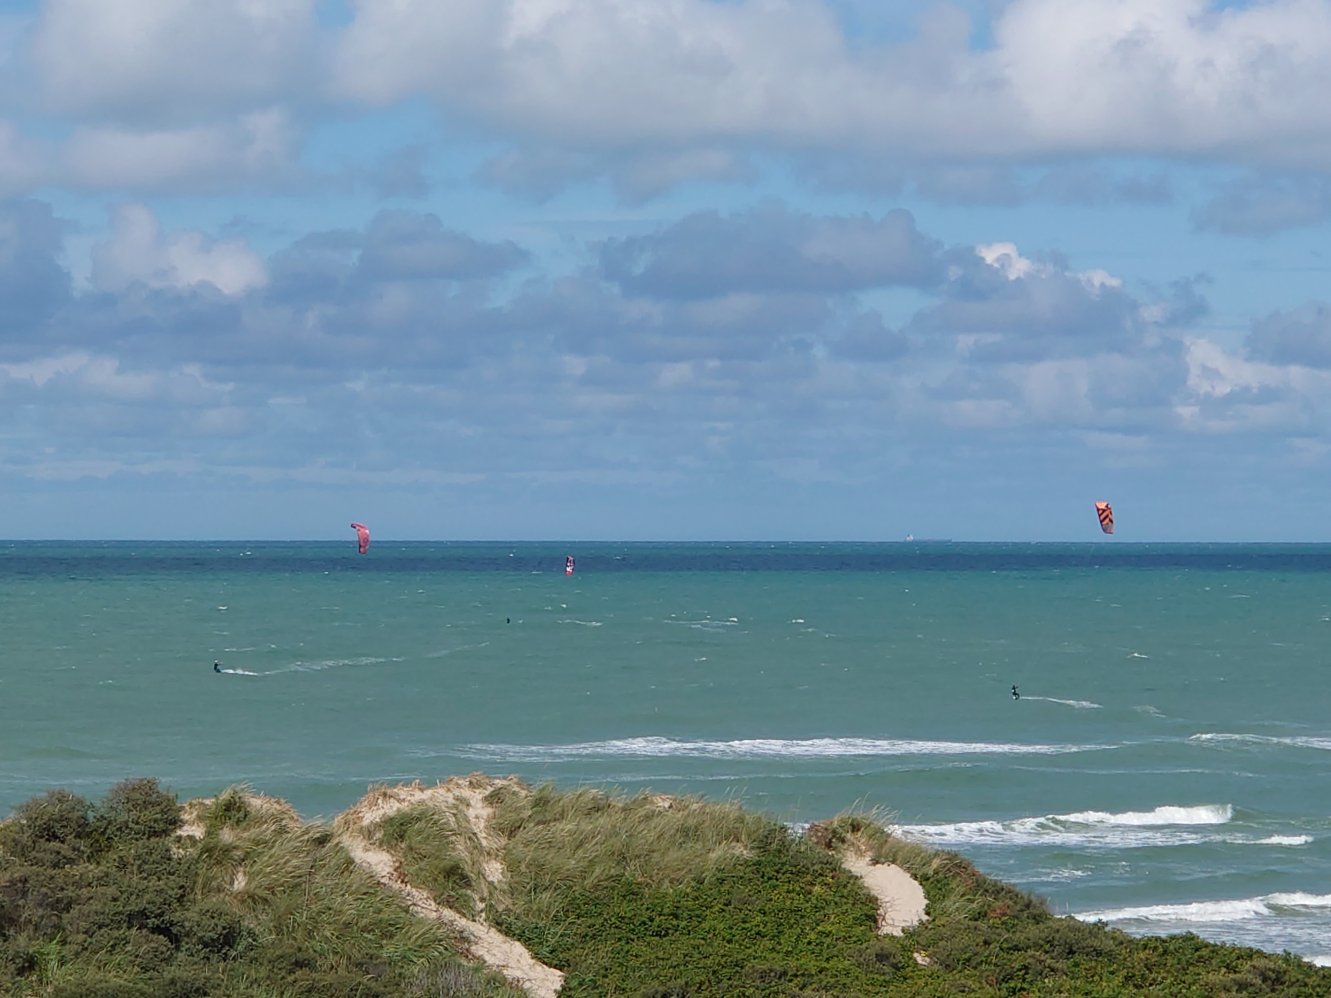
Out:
{"x": 1106, "y": 514}
{"x": 362, "y": 537}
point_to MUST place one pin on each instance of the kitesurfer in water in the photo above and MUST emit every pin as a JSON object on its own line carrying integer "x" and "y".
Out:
{"x": 1015, "y": 694}
{"x": 217, "y": 666}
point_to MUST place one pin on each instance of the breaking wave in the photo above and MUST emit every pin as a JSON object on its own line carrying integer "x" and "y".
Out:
{"x": 1298, "y": 741}
{"x": 1238, "y": 910}
{"x": 760, "y": 748}
{"x": 1165, "y": 825}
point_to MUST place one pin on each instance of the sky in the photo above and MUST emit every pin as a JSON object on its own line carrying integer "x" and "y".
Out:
{"x": 665, "y": 269}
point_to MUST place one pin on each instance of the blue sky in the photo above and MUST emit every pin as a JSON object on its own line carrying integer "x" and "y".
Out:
{"x": 665, "y": 269}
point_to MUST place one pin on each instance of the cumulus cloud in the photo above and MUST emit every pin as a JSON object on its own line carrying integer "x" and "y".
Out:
{"x": 257, "y": 149}
{"x": 999, "y": 305}
{"x": 23, "y": 161}
{"x": 140, "y": 253}
{"x": 770, "y": 248}
{"x": 402, "y": 245}
{"x": 33, "y": 280}
{"x": 1177, "y": 77}
{"x": 404, "y": 339}
{"x": 169, "y": 62}
{"x": 651, "y": 94}
{"x": 1301, "y": 336}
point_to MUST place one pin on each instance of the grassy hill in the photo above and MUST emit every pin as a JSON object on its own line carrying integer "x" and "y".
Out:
{"x": 487, "y": 887}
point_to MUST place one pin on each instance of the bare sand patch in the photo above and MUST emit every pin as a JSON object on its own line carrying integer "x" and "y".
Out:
{"x": 901, "y": 900}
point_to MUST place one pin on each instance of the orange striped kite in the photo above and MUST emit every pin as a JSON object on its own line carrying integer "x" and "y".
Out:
{"x": 1106, "y": 514}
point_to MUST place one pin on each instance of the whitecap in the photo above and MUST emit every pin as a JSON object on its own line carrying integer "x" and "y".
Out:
{"x": 1169, "y": 825}
{"x": 1295, "y": 741}
{"x": 1285, "y": 840}
{"x": 1193, "y": 911}
{"x": 1167, "y": 814}
{"x": 1236, "y": 910}
{"x": 1300, "y": 899}
{"x": 762, "y": 748}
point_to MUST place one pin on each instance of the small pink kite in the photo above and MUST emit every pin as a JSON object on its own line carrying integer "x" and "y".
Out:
{"x": 362, "y": 537}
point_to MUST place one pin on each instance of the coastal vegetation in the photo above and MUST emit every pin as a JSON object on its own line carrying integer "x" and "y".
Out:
{"x": 488, "y": 887}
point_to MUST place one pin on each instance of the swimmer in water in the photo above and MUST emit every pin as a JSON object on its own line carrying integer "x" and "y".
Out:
{"x": 1015, "y": 694}
{"x": 217, "y": 667}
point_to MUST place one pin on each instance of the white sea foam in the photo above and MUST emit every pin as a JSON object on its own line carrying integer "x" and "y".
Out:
{"x": 1320, "y": 959}
{"x": 1240, "y": 909}
{"x": 761, "y": 748}
{"x": 1168, "y": 814}
{"x": 320, "y": 666}
{"x": 1059, "y": 876}
{"x": 1168, "y": 825}
{"x": 1194, "y": 911}
{"x": 1078, "y": 704}
{"x": 1285, "y": 840}
{"x": 706, "y": 624}
{"x": 1297, "y": 741}
{"x": 584, "y": 623}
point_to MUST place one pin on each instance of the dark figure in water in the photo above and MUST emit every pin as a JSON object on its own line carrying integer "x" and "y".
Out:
{"x": 1015, "y": 694}
{"x": 217, "y": 667}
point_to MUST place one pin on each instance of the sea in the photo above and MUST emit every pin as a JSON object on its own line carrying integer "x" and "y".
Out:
{"x": 1166, "y": 768}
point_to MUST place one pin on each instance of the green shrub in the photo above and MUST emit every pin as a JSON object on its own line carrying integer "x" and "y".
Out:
{"x": 134, "y": 811}
{"x": 57, "y": 817}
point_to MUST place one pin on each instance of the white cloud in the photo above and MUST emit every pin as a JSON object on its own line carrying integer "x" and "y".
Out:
{"x": 22, "y": 160}
{"x": 1167, "y": 77}
{"x": 139, "y": 252}
{"x": 169, "y": 60}
{"x": 1005, "y": 258}
{"x": 256, "y": 149}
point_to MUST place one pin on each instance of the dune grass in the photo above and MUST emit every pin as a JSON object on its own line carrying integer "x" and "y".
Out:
{"x": 636, "y": 896}
{"x": 645, "y": 896}
{"x": 105, "y": 900}
{"x": 439, "y": 854}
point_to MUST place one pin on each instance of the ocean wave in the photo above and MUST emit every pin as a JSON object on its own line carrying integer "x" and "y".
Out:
{"x": 1106, "y": 829}
{"x": 1297, "y": 741}
{"x": 1285, "y": 840}
{"x": 1240, "y": 909}
{"x": 760, "y": 748}
{"x": 1167, "y": 814}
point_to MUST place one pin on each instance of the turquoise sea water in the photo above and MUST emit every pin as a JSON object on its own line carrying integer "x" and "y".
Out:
{"x": 1166, "y": 767}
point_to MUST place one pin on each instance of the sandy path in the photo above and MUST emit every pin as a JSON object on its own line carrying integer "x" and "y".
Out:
{"x": 901, "y": 901}
{"x": 482, "y": 942}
